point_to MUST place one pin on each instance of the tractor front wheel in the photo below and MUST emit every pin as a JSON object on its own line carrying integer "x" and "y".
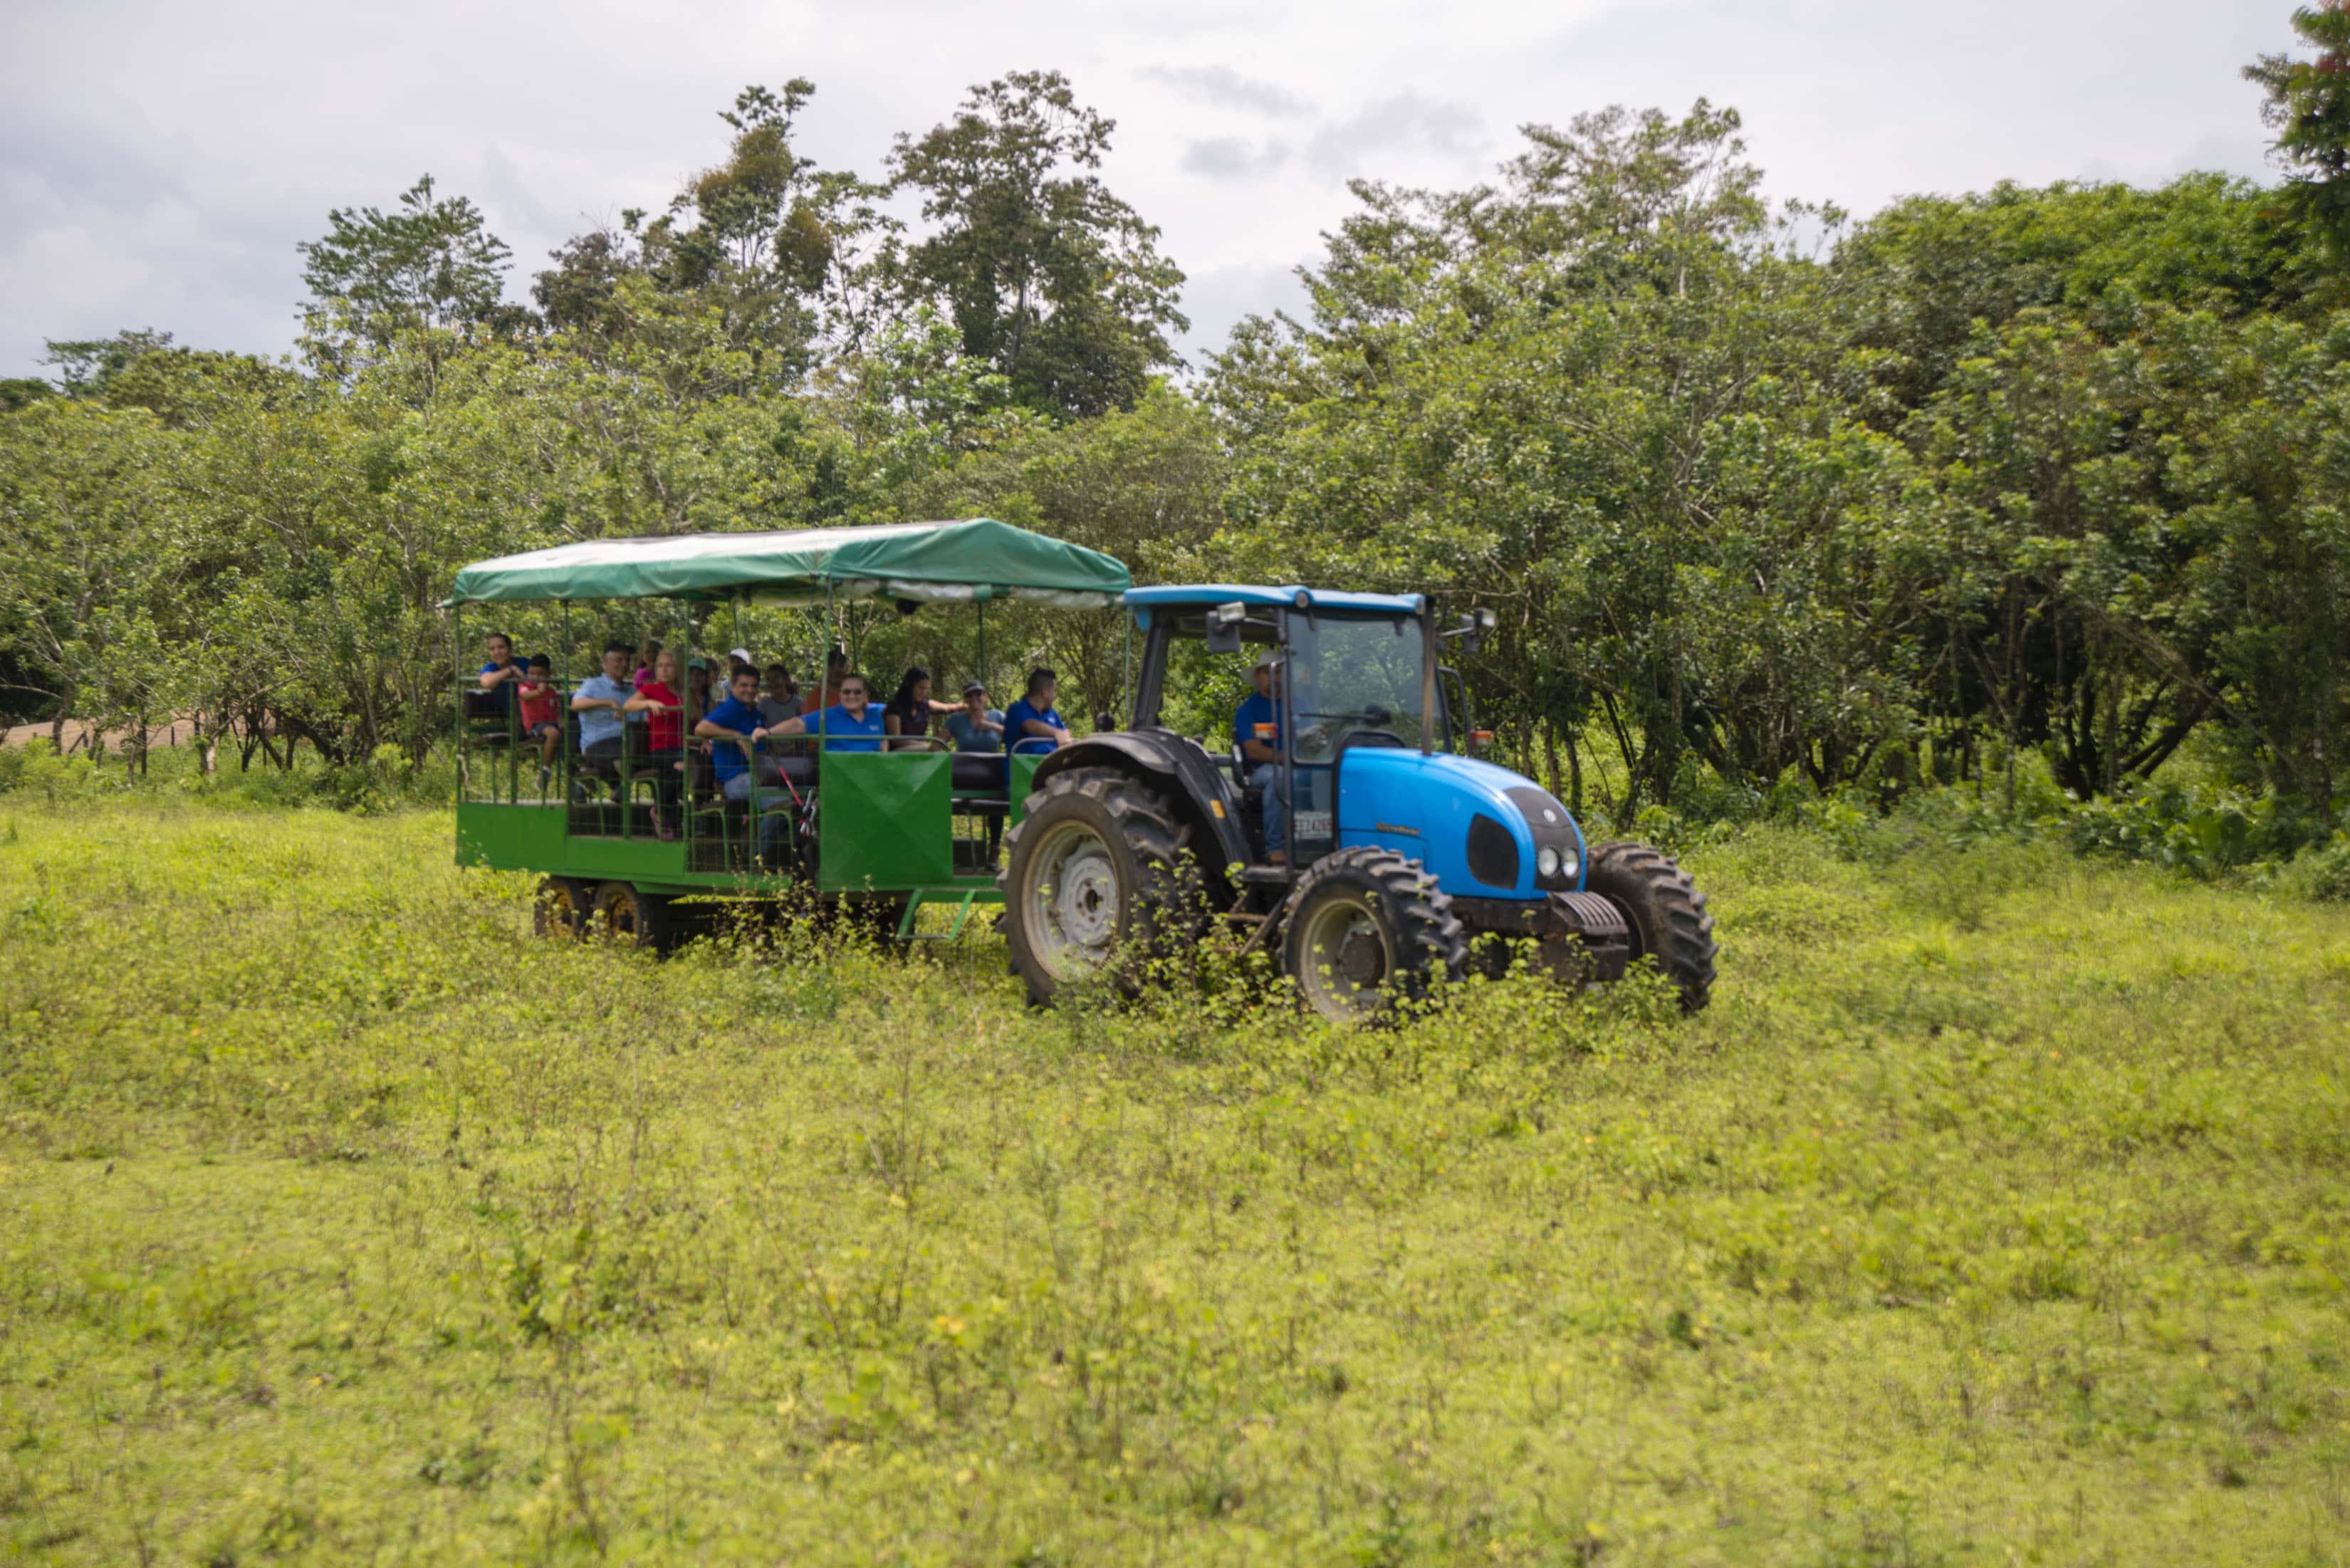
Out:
{"x": 1666, "y": 912}
{"x": 1364, "y": 929}
{"x": 1089, "y": 880}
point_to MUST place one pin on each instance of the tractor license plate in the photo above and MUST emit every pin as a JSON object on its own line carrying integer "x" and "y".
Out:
{"x": 1313, "y": 825}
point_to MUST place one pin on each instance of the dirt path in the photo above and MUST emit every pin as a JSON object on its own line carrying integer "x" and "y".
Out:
{"x": 178, "y": 733}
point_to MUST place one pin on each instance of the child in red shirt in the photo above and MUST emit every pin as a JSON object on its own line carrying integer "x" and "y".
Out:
{"x": 542, "y": 719}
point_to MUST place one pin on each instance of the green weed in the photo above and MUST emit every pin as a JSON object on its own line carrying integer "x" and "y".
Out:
{"x": 1993, "y": 1212}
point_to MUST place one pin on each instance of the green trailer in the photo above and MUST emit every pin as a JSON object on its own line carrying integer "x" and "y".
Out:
{"x": 644, "y": 845}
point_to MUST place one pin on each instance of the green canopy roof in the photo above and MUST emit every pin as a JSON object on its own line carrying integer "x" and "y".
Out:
{"x": 976, "y": 559}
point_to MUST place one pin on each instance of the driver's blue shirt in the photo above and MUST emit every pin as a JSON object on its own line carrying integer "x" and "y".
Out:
{"x": 1258, "y": 709}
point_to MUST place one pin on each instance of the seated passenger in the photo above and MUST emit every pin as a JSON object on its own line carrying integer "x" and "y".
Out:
{"x": 911, "y": 712}
{"x": 645, "y": 657}
{"x": 1033, "y": 723}
{"x": 541, "y": 717}
{"x": 975, "y": 726}
{"x": 1256, "y": 731}
{"x": 697, "y": 689}
{"x": 496, "y": 686}
{"x": 664, "y": 710}
{"x": 852, "y": 717}
{"x": 782, "y": 698}
{"x": 601, "y": 702}
{"x": 827, "y": 691}
{"x": 726, "y": 726}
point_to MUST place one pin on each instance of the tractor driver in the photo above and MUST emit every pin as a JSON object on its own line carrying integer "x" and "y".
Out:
{"x": 1256, "y": 731}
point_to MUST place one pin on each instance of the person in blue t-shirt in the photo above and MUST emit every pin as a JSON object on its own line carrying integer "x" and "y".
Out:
{"x": 1256, "y": 731}
{"x": 500, "y": 676}
{"x": 1033, "y": 723}
{"x": 975, "y": 726}
{"x": 851, "y": 724}
{"x": 601, "y": 701}
{"x": 735, "y": 720}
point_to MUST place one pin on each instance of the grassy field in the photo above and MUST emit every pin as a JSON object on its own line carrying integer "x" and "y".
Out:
{"x": 1999, "y": 1211}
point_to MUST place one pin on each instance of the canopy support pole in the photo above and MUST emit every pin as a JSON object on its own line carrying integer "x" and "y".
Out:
{"x": 457, "y": 663}
{"x": 981, "y": 606}
{"x": 563, "y": 683}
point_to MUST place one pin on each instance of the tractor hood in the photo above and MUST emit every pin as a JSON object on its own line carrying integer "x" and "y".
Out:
{"x": 1480, "y": 829}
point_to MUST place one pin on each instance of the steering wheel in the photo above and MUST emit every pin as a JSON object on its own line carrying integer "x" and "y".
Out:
{"x": 918, "y": 744}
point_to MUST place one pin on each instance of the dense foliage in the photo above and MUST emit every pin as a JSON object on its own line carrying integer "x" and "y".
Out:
{"x": 1767, "y": 496}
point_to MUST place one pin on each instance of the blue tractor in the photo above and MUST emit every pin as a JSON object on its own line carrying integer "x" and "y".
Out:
{"x": 1346, "y": 823}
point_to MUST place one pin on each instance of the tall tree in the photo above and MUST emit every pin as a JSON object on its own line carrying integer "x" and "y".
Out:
{"x": 1049, "y": 277}
{"x": 431, "y": 265}
{"x": 2309, "y": 109}
{"x": 767, "y": 240}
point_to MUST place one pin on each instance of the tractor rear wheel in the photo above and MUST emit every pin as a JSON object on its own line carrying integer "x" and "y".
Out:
{"x": 1089, "y": 881}
{"x": 1366, "y": 929}
{"x": 1666, "y": 912}
{"x": 631, "y": 918}
{"x": 561, "y": 909}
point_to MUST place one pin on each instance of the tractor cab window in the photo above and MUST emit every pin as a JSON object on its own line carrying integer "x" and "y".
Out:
{"x": 1352, "y": 681}
{"x": 1354, "y": 677}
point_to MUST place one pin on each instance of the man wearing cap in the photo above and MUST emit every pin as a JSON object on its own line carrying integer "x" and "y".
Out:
{"x": 1256, "y": 731}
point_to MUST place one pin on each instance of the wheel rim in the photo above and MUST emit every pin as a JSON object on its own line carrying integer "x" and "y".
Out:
{"x": 1070, "y": 904}
{"x": 620, "y": 919}
{"x": 1343, "y": 959}
{"x": 560, "y": 907}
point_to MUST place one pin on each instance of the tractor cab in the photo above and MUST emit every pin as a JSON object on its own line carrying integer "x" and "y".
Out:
{"x": 1335, "y": 808}
{"x": 1333, "y": 672}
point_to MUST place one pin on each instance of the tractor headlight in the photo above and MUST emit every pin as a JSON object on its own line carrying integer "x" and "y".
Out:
{"x": 1546, "y": 863}
{"x": 1570, "y": 865}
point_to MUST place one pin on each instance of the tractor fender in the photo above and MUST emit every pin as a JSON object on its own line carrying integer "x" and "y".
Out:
{"x": 1200, "y": 794}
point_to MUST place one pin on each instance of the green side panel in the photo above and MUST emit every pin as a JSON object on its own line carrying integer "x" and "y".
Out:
{"x": 885, "y": 818}
{"x": 536, "y": 838}
{"x": 510, "y": 837}
{"x": 645, "y": 861}
{"x": 1023, "y": 780}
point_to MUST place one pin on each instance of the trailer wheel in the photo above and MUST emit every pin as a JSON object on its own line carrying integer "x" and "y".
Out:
{"x": 561, "y": 909}
{"x": 1666, "y": 912}
{"x": 1364, "y": 929}
{"x": 1090, "y": 878}
{"x": 630, "y": 919}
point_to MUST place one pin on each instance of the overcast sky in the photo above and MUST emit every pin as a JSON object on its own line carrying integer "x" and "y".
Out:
{"x": 159, "y": 158}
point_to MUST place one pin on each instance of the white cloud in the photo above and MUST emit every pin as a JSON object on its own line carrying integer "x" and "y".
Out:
{"x": 1234, "y": 157}
{"x": 162, "y": 160}
{"x": 1224, "y": 88}
{"x": 74, "y": 267}
{"x": 1406, "y": 124}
